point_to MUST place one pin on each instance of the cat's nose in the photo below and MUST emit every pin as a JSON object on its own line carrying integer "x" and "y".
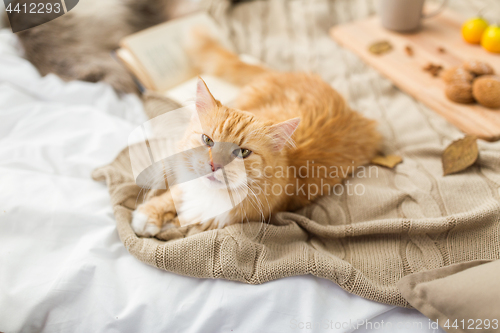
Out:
{"x": 215, "y": 166}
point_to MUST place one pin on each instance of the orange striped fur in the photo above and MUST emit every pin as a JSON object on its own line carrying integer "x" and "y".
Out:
{"x": 329, "y": 134}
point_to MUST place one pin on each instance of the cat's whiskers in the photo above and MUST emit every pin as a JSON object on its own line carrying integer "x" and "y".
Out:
{"x": 257, "y": 206}
{"x": 256, "y": 200}
{"x": 255, "y": 183}
{"x": 259, "y": 203}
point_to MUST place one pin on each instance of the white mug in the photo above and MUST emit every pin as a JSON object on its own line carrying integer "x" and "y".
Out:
{"x": 404, "y": 15}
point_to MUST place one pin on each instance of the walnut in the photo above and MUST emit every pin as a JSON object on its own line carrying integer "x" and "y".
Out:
{"x": 478, "y": 67}
{"x": 457, "y": 74}
{"x": 486, "y": 90}
{"x": 460, "y": 92}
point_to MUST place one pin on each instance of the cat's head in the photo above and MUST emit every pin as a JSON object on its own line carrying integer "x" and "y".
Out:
{"x": 229, "y": 145}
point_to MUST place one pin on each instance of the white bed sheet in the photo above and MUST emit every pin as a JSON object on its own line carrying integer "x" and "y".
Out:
{"x": 62, "y": 266}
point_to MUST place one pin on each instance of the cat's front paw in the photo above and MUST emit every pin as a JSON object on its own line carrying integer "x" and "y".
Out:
{"x": 143, "y": 225}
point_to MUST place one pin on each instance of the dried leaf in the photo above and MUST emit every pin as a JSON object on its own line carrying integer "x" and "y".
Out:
{"x": 389, "y": 161}
{"x": 380, "y": 47}
{"x": 460, "y": 155}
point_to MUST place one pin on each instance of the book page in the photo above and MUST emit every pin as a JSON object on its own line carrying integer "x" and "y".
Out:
{"x": 128, "y": 60}
{"x": 185, "y": 93}
{"x": 159, "y": 50}
{"x": 225, "y": 92}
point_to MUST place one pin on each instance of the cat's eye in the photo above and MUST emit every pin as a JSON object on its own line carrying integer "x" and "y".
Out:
{"x": 209, "y": 142}
{"x": 243, "y": 152}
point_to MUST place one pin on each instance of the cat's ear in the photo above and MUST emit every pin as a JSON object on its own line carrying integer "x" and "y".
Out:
{"x": 282, "y": 132}
{"x": 204, "y": 99}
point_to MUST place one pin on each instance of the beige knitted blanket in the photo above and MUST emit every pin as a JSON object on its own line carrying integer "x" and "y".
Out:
{"x": 407, "y": 220}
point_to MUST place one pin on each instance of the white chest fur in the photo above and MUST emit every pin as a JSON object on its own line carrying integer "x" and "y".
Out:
{"x": 201, "y": 203}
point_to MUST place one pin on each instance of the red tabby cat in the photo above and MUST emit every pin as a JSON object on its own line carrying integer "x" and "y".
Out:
{"x": 281, "y": 122}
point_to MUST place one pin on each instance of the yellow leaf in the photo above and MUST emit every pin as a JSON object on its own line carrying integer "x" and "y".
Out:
{"x": 380, "y": 47}
{"x": 460, "y": 155}
{"x": 389, "y": 161}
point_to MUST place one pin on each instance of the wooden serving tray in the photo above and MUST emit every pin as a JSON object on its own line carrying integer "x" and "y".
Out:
{"x": 407, "y": 73}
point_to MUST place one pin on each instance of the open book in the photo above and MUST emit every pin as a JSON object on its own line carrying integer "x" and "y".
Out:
{"x": 157, "y": 59}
